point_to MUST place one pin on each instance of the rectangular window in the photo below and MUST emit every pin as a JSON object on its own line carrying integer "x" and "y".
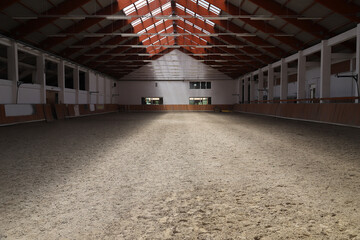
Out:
{"x": 82, "y": 80}
{"x": 200, "y": 101}
{"x": 51, "y": 73}
{"x": 4, "y": 62}
{"x": 208, "y": 85}
{"x": 152, "y": 101}
{"x": 200, "y": 85}
{"x": 27, "y": 67}
{"x": 194, "y": 85}
{"x": 69, "y": 77}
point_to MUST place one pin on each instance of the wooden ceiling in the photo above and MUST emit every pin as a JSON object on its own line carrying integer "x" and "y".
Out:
{"x": 117, "y": 37}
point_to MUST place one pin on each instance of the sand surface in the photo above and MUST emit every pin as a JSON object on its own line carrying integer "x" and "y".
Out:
{"x": 179, "y": 176}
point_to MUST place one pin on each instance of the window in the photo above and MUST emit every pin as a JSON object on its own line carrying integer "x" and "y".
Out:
{"x": 200, "y": 85}
{"x": 69, "y": 77}
{"x": 3, "y": 62}
{"x": 194, "y": 85}
{"x": 82, "y": 80}
{"x": 51, "y": 73}
{"x": 152, "y": 101}
{"x": 200, "y": 101}
{"x": 27, "y": 67}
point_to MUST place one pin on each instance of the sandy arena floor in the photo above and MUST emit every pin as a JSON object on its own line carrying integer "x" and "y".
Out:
{"x": 179, "y": 176}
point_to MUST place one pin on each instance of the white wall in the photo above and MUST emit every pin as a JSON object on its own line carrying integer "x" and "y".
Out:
{"x": 83, "y": 97}
{"x": 29, "y": 94}
{"x": 176, "y": 92}
{"x": 6, "y": 93}
{"x": 70, "y": 96}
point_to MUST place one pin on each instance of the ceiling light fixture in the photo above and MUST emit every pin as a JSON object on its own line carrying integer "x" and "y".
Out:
{"x": 118, "y": 17}
{"x": 262, "y": 18}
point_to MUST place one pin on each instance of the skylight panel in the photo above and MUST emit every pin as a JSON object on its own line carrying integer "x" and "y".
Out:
{"x": 180, "y": 7}
{"x": 197, "y": 27}
{"x": 199, "y": 17}
{"x": 188, "y": 22}
{"x": 203, "y": 40}
{"x": 129, "y": 9}
{"x": 214, "y": 9}
{"x": 190, "y": 12}
{"x": 159, "y": 22}
{"x": 144, "y": 18}
{"x": 156, "y": 11}
{"x": 166, "y": 6}
{"x": 136, "y": 22}
{"x": 139, "y": 4}
{"x": 210, "y": 22}
{"x": 207, "y": 32}
{"x": 180, "y": 27}
{"x": 168, "y": 27}
{"x": 150, "y": 27}
{"x": 142, "y": 31}
{"x": 204, "y": 4}
{"x": 162, "y": 38}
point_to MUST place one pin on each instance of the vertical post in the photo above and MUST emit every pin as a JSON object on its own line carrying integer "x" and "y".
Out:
{"x": 13, "y": 69}
{"x": 240, "y": 90}
{"x": 261, "y": 85}
{"x": 246, "y": 91}
{"x": 97, "y": 89}
{"x": 271, "y": 83}
{"x": 61, "y": 79}
{"x": 76, "y": 84}
{"x": 105, "y": 91}
{"x": 87, "y": 87}
{"x": 325, "y": 70}
{"x": 358, "y": 60}
{"x": 252, "y": 88}
{"x": 301, "y": 74}
{"x": 40, "y": 76}
{"x": 284, "y": 80}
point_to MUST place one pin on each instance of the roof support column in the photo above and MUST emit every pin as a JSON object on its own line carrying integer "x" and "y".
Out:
{"x": 284, "y": 80}
{"x": 246, "y": 89}
{"x": 358, "y": 59}
{"x": 40, "y": 78}
{"x": 301, "y": 76}
{"x": 76, "y": 84}
{"x": 87, "y": 87}
{"x": 252, "y": 88}
{"x": 61, "y": 79}
{"x": 13, "y": 69}
{"x": 97, "y": 84}
{"x": 325, "y": 70}
{"x": 260, "y": 85}
{"x": 240, "y": 90}
{"x": 270, "y": 83}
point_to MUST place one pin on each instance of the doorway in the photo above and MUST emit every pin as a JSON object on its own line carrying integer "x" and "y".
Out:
{"x": 52, "y": 98}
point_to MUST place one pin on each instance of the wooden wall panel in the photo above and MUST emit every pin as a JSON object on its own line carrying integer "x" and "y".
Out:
{"x": 342, "y": 113}
{"x": 37, "y": 116}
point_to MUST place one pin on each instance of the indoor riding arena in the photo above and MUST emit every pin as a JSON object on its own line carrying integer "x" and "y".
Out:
{"x": 179, "y": 119}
